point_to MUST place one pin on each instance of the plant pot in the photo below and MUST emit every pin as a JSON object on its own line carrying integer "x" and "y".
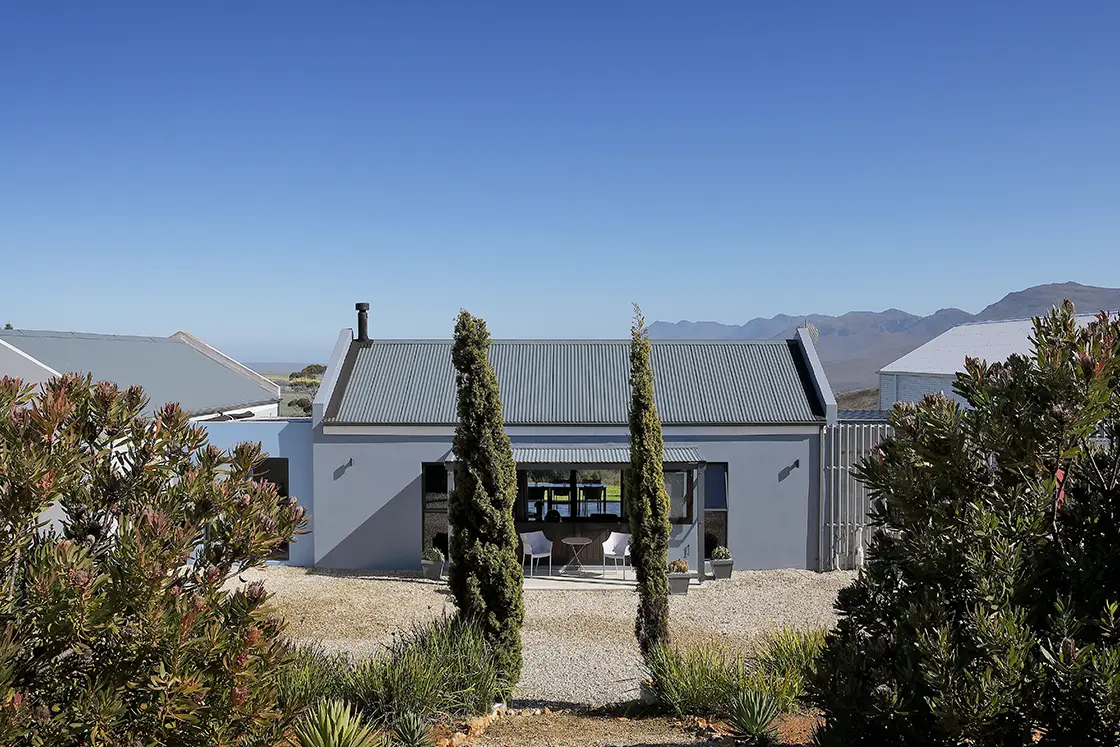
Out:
{"x": 722, "y": 568}
{"x": 678, "y": 583}
{"x": 433, "y": 569}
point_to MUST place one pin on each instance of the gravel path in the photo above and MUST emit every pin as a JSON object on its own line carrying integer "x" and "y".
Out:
{"x": 578, "y": 645}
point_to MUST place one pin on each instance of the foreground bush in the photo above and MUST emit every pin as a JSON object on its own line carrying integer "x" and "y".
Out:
{"x": 120, "y": 629}
{"x": 331, "y": 724}
{"x": 436, "y": 671}
{"x": 986, "y": 613}
{"x": 446, "y": 668}
{"x": 312, "y": 675}
{"x": 708, "y": 680}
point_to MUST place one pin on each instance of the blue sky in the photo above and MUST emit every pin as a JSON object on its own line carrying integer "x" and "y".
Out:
{"x": 246, "y": 171}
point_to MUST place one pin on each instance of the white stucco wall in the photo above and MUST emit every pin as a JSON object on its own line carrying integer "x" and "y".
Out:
{"x": 368, "y": 494}
{"x": 905, "y": 387}
{"x": 289, "y": 439}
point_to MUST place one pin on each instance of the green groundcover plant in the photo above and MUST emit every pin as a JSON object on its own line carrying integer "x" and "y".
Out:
{"x": 987, "y": 610}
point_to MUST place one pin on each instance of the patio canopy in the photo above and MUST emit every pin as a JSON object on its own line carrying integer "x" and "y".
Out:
{"x": 593, "y": 455}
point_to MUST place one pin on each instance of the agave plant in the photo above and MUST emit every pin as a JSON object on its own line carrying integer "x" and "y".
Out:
{"x": 331, "y": 724}
{"x": 411, "y": 731}
{"x": 752, "y": 716}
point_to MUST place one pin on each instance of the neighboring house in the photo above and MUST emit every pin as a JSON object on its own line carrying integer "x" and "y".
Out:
{"x": 933, "y": 366}
{"x": 742, "y": 423}
{"x": 206, "y": 383}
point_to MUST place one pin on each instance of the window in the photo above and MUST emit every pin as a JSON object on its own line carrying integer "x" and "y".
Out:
{"x": 679, "y": 487}
{"x": 715, "y": 487}
{"x": 435, "y": 478}
{"x": 600, "y": 495}
{"x": 567, "y": 495}
{"x": 275, "y": 470}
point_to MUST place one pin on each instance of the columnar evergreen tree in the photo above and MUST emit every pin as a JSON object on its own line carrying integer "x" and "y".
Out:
{"x": 646, "y": 498}
{"x": 987, "y": 612}
{"x": 485, "y": 575}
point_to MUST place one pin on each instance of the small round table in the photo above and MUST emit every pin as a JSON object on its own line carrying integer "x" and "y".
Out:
{"x": 577, "y": 544}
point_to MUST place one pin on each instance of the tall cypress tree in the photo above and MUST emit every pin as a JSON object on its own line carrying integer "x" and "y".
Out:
{"x": 485, "y": 575}
{"x": 646, "y": 497}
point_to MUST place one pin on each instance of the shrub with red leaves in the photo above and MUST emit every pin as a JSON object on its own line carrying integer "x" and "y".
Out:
{"x": 988, "y": 611}
{"x": 121, "y": 628}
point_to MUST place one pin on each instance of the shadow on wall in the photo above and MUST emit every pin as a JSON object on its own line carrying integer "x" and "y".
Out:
{"x": 787, "y": 471}
{"x": 387, "y": 540}
{"x": 340, "y": 470}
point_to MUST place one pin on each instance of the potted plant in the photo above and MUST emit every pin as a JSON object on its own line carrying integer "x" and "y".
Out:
{"x": 722, "y": 562}
{"x": 432, "y": 560}
{"x": 679, "y": 576}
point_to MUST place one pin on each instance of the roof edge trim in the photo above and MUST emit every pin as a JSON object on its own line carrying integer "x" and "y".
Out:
{"x": 221, "y": 358}
{"x": 331, "y": 376}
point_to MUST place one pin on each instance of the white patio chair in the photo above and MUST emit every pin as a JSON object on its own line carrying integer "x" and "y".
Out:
{"x": 616, "y": 548}
{"x": 536, "y": 545}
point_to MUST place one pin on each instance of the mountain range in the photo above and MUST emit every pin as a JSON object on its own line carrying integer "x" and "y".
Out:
{"x": 854, "y": 346}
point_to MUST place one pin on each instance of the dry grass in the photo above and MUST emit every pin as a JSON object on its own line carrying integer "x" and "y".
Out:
{"x": 859, "y": 399}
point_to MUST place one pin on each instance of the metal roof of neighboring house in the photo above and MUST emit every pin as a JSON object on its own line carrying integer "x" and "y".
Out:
{"x": 168, "y": 368}
{"x": 863, "y": 416}
{"x": 594, "y": 455}
{"x": 580, "y": 382}
{"x": 990, "y": 341}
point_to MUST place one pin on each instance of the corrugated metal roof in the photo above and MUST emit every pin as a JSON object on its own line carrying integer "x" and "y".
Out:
{"x": 169, "y": 369}
{"x": 594, "y": 455}
{"x": 581, "y": 382}
{"x": 991, "y": 341}
{"x": 863, "y": 416}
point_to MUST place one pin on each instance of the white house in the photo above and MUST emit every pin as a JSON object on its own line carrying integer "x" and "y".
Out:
{"x": 933, "y": 366}
{"x": 181, "y": 368}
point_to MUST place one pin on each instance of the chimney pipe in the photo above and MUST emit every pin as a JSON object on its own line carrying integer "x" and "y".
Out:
{"x": 363, "y": 321}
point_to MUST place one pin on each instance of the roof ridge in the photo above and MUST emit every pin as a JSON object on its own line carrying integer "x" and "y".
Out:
{"x": 574, "y": 341}
{"x": 1085, "y": 315}
{"x": 69, "y": 335}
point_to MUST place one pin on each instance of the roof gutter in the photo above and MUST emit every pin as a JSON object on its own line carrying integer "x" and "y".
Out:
{"x": 820, "y": 380}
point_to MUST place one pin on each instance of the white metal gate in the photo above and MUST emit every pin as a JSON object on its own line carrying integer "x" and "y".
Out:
{"x": 845, "y": 502}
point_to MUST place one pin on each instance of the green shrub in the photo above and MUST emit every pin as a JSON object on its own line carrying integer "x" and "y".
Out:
{"x": 706, "y": 679}
{"x": 721, "y": 553}
{"x": 412, "y": 731}
{"x": 312, "y": 675}
{"x": 122, "y": 629}
{"x": 985, "y": 613}
{"x": 303, "y": 404}
{"x": 446, "y": 668}
{"x": 312, "y": 371}
{"x": 331, "y": 724}
{"x": 786, "y": 660}
{"x": 432, "y": 554}
{"x": 696, "y": 680}
{"x": 485, "y": 576}
{"x": 752, "y": 715}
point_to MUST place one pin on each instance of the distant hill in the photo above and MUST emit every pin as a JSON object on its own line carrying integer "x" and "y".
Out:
{"x": 854, "y": 346}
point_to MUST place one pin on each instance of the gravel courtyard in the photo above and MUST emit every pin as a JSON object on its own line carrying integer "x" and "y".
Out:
{"x": 578, "y": 644}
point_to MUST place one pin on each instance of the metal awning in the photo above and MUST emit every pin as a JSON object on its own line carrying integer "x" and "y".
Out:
{"x": 591, "y": 455}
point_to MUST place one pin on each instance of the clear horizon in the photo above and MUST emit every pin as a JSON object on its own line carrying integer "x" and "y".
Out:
{"x": 248, "y": 172}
